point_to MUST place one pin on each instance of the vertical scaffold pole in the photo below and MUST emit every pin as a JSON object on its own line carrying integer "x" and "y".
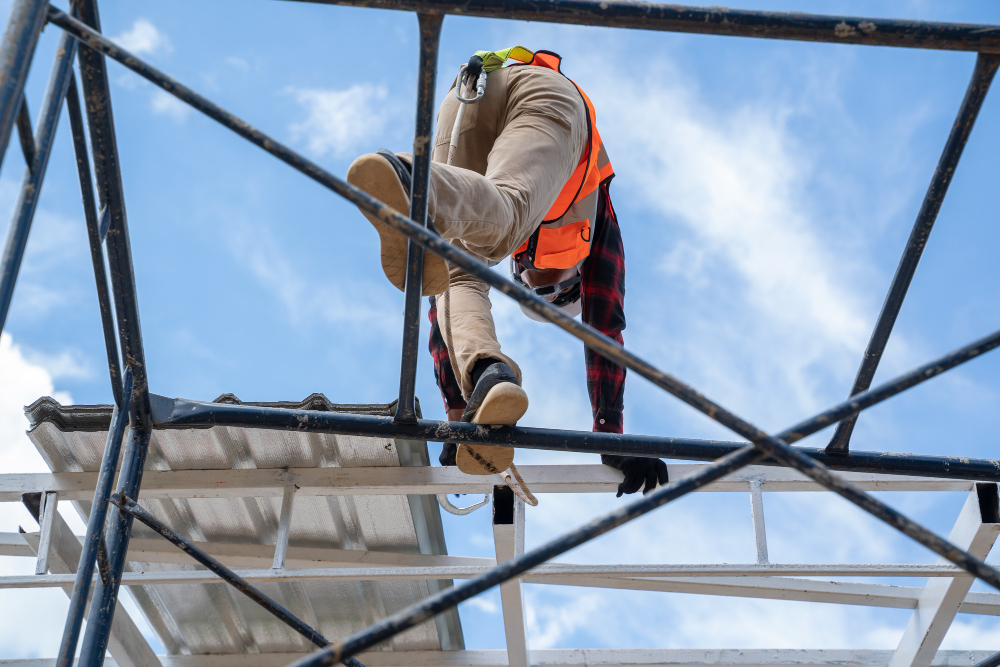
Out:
{"x": 34, "y": 174}
{"x": 107, "y": 171}
{"x": 95, "y": 527}
{"x": 75, "y": 114}
{"x": 27, "y": 18}
{"x": 430, "y": 34}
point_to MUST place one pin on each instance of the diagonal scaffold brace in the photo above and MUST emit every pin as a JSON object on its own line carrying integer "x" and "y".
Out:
{"x": 133, "y": 509}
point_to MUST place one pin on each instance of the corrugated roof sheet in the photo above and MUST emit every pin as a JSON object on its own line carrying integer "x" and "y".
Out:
{"x": 215, "y": 618}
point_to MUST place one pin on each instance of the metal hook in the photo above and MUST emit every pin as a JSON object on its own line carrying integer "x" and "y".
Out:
{"x": 480, "y": 86}
{"x": 443, "y": 501}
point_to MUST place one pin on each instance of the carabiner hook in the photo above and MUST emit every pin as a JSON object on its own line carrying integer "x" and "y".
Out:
{"x": 475, "y": 69}
{"x": 443, "y": 501}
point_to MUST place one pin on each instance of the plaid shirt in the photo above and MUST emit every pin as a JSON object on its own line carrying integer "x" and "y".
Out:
{"x": 603, "y": 294}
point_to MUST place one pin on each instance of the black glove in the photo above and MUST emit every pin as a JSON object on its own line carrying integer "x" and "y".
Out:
{"x": 637, "y": 469}
{"x": 448, "y": 451}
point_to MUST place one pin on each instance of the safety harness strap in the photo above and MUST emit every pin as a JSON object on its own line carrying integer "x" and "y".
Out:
{"x": 493, "y": 60}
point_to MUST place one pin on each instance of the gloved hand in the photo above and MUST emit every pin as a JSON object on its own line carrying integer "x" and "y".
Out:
{"x": 448, "y": 451}
{"x": 637, "y": 469}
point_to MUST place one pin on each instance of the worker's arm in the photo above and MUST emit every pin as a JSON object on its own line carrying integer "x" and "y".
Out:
{"x": 603, "y": 288}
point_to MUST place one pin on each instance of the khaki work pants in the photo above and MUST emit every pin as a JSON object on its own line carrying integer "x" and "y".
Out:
{"x": 518, "y": 147}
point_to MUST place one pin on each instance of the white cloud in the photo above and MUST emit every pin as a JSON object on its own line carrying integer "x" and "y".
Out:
{"x": 486, "y": 605}
{"x": 69, "y": 364}
{"x": 551, "y": 624}
{"x": 144, "y": 38}
{"x": 23, "y": 382}
{"x": 344, "y": 301}
{"x": 727, "y": 192}
{"x": 237, "y": 63}
{"x": 165, "y": 104}
{"x": 340, "y": 121}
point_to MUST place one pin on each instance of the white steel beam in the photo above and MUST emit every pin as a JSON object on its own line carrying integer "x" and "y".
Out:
{"x": 975, "y": 530}
{"x": 158, "y": 550}
{"x": 284, "y": 528}
{"x": 757, "y": 516}
{"x": 508, "y": 537}
{"x": 567, "y": 658}
{"x": 775, "y": 588}
{"x": 48, "y": 508}
{"x": 14, "y": 544}
{"x": 428, "y": 481}
{"x": 126, "y": 643}
{"x": 555, "y": 573}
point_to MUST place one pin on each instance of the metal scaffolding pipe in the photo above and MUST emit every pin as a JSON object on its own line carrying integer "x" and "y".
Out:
{"x": 714, "y": 21}
{"x": 104, "y": 148}
{"x": 105, "y": 599}
{"x": 129, "y": 506}
{"x": 34, "y": 174}
{"x": 94, "y": 236}
{"x": 182, "y": 413}
{"x": 982, "y": 76}
{"x": 430, "y": 34}
{"x": 27, "y": 18}
{"x": 94, "y": 78}
{"x": 95, "y": 529}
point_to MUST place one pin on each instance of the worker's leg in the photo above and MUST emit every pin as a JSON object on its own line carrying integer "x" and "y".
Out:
{"x": 466, "y": 321}
{"x": 540, "y": 134}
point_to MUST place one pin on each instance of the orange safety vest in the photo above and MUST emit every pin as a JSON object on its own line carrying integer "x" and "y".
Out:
{"x": 562, "y": 240}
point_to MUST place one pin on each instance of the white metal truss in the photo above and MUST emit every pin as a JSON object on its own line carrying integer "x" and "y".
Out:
{"x": 934, "y": 605}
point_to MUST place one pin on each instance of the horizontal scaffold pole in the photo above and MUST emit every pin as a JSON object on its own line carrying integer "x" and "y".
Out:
{"x": 714, "y": 21}
{"x": 181, "y": 413}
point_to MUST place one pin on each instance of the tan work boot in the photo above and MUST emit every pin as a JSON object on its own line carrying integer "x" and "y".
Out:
{"x": 497, "y": 400}
{"x": 387, "y": 178}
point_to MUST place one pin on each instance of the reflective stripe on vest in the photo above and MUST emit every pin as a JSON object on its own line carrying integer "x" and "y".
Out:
{"x": 563, "y": 239}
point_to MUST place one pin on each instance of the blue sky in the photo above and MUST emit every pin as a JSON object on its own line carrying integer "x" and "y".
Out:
{"x": 765, "y": 191}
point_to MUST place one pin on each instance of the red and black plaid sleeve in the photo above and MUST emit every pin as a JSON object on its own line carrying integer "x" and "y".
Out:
{"x": 443, "y": 372}
{"x": 603, "y": 288}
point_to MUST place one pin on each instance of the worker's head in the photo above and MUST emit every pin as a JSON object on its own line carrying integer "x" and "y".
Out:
{"x": 560, "y": 287}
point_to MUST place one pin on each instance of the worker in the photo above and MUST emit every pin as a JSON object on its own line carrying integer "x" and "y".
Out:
{"x": 527, "y": 180}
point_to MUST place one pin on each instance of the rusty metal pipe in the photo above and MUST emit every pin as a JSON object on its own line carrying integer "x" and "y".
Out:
{"x": 133, "y": 509}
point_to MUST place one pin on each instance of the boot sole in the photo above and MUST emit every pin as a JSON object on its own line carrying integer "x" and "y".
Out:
{"x": 374, "y": 175}
{"x": 504, "y": 405}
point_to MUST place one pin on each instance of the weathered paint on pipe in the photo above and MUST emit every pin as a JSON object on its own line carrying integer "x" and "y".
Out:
{"x": 180, "y": 413}
{"x": 132, "y": 508}
{"x": 430, "y": 34}
{"x": 723, "y": 21}
{"x": 94, "y": 237}
{"x": 992, "y": 661}
{"x": 25, "y": 134}
{"x": 34, "y": 174}
{"x": 94, "y": 539}
{"x": 982, "y": 76}
{"x": 100, "y": 120}
{"x": 104, "y": 148}
{"x": 27, "y": 18}
{"x": 105, "y": 599}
